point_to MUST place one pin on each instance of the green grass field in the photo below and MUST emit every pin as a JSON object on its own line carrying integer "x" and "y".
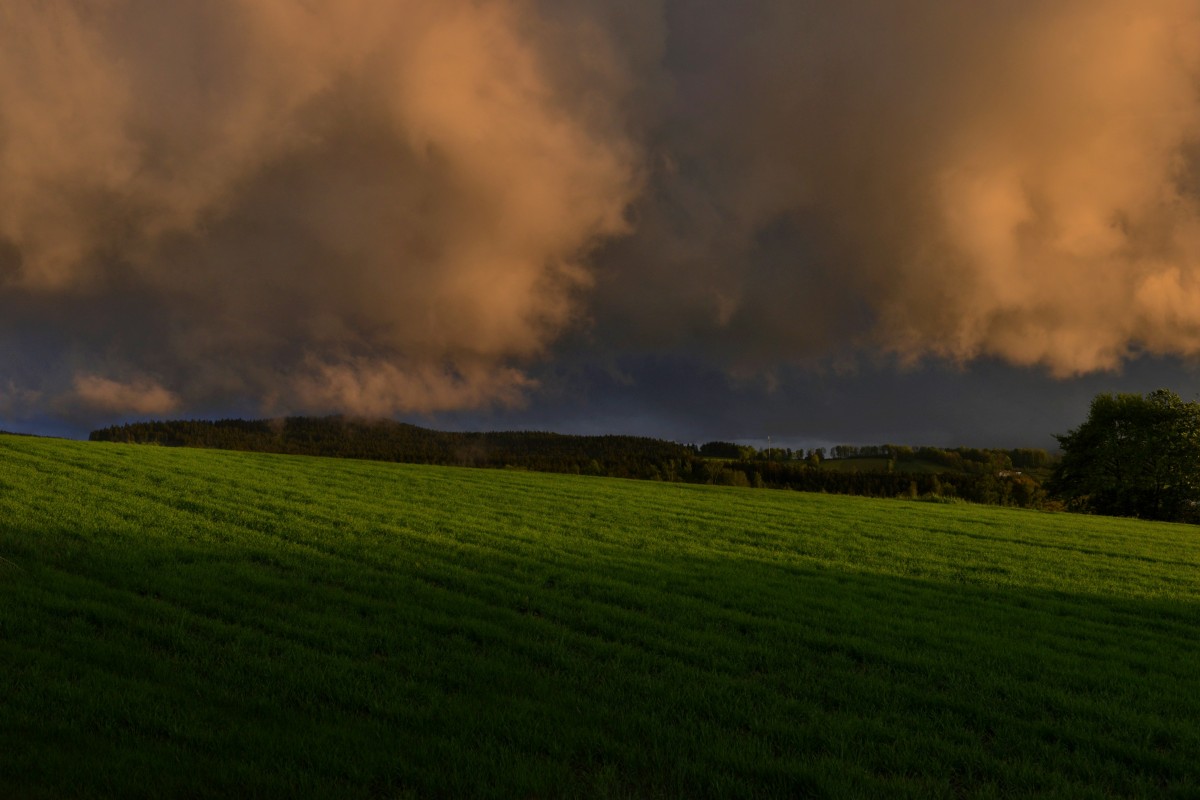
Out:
{"x": 190, "y": 623}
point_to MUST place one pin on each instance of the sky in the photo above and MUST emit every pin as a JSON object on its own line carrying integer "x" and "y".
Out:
{"x": 929, "y": 222}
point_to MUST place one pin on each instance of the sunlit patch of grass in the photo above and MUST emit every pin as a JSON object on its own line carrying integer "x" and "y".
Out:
{"x": 197, "y": 623}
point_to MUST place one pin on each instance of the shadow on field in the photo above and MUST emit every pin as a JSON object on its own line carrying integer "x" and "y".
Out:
{"x": 193, "y": 668}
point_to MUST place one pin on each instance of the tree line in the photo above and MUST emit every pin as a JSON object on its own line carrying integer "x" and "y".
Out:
{"x": 955, "y": 459}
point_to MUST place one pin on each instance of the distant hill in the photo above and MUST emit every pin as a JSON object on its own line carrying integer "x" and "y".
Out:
{"x": 387, "y": 440}
{"x": 980, "y": 476}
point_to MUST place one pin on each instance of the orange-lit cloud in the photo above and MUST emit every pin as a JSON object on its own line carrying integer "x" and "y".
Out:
{"x": 142, "y": 396}
{"x": 327, "y": 205}
{"x": 1067, "y": 212}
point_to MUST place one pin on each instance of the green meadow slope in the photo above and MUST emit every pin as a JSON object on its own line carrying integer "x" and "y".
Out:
{"x": 191, "y": 623}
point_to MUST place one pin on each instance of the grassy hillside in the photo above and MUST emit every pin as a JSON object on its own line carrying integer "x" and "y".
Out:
{"x": 200, "y": 623}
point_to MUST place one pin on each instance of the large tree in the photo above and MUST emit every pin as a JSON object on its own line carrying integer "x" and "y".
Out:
{"x": 1134, "y": 456}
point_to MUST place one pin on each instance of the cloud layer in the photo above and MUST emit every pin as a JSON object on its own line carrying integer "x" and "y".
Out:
{"x": 342, "y": 205}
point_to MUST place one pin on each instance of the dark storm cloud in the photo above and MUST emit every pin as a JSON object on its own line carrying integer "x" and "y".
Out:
{"x": 1011, "y": 180}
{"x": 421, "y": 206}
